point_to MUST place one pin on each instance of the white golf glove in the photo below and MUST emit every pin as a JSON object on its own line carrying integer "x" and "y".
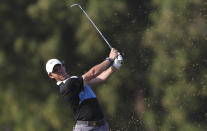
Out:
{"x": 118, "y": 62}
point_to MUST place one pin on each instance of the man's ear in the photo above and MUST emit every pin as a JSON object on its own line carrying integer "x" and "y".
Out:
{"x": 51, "y": 76}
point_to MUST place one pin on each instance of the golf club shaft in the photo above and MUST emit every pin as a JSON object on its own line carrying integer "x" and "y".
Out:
{"x": 93, "y": 25}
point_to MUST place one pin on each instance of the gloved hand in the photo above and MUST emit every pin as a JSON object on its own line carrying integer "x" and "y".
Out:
{"x": 118, "y": 62}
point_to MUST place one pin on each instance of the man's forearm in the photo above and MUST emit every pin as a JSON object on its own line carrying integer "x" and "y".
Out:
{"x": 103, "y": 76}
{"x": 96, "y": 71}
{"x": 107, "y": 73}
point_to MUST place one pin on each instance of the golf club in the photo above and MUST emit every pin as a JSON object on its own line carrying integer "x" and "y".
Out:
{"x": 93, "y": 24}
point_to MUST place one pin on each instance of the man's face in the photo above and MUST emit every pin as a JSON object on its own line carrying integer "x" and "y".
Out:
{"x": 59, "y": 72}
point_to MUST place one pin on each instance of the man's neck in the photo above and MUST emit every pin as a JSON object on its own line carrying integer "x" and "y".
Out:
{"x": 62, "y": 81}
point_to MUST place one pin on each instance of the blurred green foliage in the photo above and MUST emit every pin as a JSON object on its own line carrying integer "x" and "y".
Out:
{"x": 162, "y": 85}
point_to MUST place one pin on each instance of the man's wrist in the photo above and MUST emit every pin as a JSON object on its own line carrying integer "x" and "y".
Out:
{"x": 110, "y": 60}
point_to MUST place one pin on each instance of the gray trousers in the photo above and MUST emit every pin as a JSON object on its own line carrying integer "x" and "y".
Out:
{"x": 82, "y": 127}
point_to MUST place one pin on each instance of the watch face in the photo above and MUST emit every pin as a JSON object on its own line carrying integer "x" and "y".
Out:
{"x": 109, "y": 59}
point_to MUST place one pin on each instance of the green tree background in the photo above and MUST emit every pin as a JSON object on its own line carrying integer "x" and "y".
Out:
{"x": 162, "y": 85}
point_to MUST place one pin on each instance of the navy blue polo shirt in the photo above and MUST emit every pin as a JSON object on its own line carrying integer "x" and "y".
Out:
{"x": 81, "y": 99}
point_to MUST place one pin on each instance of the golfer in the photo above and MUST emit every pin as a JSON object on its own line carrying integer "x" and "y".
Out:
{"x": 77, "y": 91}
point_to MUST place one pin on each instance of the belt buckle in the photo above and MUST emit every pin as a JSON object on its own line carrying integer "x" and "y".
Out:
{"x": 94, "y": 123}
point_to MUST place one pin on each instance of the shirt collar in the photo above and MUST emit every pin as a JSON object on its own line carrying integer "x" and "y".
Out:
{"x": 60, "y": 82}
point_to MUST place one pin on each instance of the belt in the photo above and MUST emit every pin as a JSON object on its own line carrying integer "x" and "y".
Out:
{"x": 92, "y": 123}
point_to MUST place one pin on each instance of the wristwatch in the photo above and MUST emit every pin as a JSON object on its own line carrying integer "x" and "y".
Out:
{"x": 109, "y": 59}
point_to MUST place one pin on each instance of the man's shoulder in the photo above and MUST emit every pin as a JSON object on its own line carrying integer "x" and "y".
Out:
{"x": 74, "y": 80}
{"x": 74, "y": 77}
{"x": 73, "y": 83}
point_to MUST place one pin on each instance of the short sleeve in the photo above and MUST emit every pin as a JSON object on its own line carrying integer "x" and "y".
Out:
{"x": 73, "y": 86}
{"x": 76, "y": 82}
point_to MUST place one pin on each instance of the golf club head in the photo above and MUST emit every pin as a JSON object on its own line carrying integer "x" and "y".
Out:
{"x": 75, "y": 5}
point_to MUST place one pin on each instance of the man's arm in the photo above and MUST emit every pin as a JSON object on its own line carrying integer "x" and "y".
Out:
{"x": 98, "y": 69}
{"x": 103, "y": 76}
{"x": 107, "y": 73}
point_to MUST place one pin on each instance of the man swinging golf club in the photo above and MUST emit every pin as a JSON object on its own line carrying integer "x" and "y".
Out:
{"x": 77, "y": 92}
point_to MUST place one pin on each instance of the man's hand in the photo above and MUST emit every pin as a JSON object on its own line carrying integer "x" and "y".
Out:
{"x": 113, "y": 54}
{"x": 118, "y": 61}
